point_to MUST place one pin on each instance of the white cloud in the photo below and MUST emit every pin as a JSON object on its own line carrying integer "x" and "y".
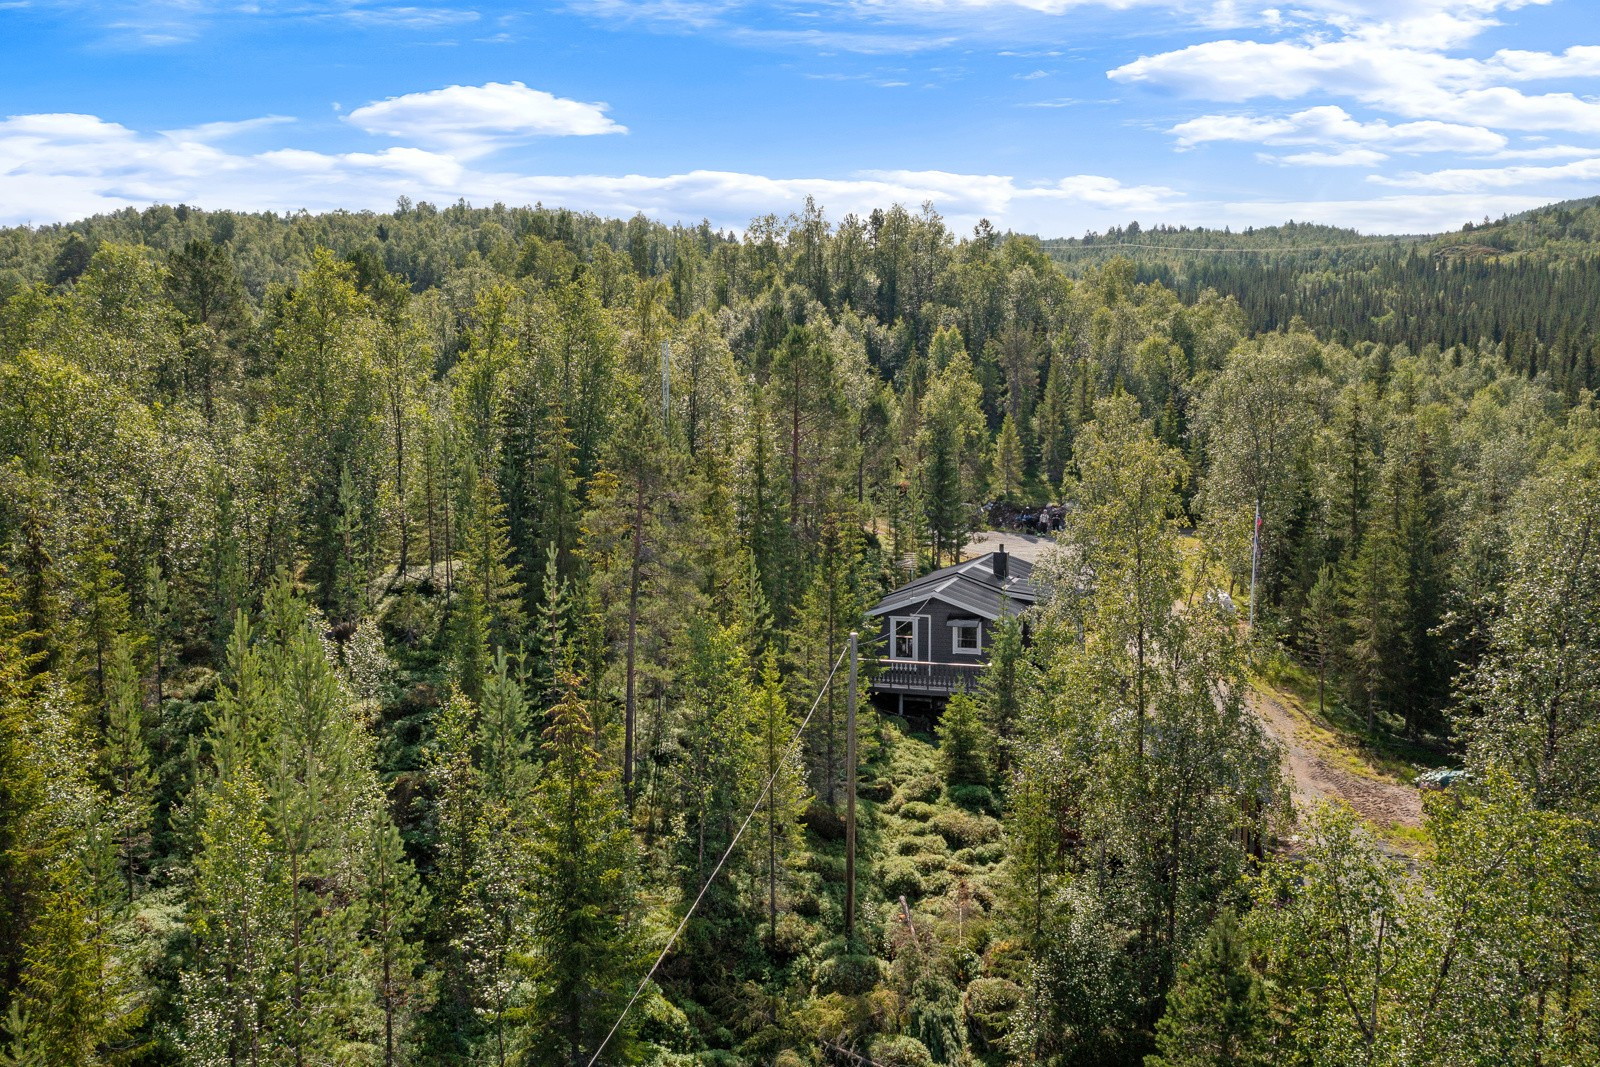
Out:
{"x": 59, "y": 167}
{"x": 1329, "y": 124}
{"x": 1467, "y": 179}
{"x": 207, "y": 132}
{"x": 1348, "y": 157}
{"x": 474, "y": 119}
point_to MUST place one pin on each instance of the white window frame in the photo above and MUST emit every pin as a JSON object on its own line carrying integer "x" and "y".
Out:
{"x": 976, "y": 626}
{"x": 894, "y": 637}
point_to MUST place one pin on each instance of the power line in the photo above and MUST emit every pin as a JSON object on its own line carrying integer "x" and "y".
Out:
{"x": 765, "y": 790}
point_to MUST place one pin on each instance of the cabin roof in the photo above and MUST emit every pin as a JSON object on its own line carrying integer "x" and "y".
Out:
{"x": 969, "y": 586}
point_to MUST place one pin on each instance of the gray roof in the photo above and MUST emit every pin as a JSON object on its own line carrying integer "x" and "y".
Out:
{"x": 969, "y": 586}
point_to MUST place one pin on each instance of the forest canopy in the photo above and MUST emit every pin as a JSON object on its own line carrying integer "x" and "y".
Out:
{"x": 404, "y": 620}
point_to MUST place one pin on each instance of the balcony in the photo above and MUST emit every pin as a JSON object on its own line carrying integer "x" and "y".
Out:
{"x": 926, "y": 678}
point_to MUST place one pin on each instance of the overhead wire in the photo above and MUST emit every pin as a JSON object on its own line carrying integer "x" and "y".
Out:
{"x": 765, "y": 792}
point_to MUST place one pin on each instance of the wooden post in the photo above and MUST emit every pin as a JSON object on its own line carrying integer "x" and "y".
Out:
{"x": 850, "y": 801}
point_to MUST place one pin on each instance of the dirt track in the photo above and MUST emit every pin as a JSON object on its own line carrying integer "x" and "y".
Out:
{"x": 1314, "y": 777}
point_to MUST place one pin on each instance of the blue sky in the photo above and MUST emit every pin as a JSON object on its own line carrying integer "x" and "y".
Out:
{"x": 1046, "y": 116}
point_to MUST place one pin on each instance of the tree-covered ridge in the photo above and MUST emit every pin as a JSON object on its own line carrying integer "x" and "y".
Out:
{"x": 1528, "y": 284}
{"x": 388, "y": 661}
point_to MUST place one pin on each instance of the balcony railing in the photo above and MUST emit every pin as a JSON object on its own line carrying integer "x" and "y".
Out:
{"x": 924, "y": 676}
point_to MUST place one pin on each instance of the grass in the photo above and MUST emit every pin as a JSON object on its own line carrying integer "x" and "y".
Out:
{"x": 1339, "y": 728}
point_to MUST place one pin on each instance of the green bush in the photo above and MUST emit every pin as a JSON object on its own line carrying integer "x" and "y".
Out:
{"x": 850, "y": 974}
{"x": 982, "y": 855}
{"x": 899, "y": 877}
{"x": 899, "y": 1051}
{"x": 878, "y": 790}
{"x": 989, "y": 1004}
{"x": 974, "y": 798}
{"x": 965, "y": 831}
{"x": 924, "y": 788}
{"x": 918, "y": 811}
{"x": 919, "y": 844}
{"x": 794, "y": 936}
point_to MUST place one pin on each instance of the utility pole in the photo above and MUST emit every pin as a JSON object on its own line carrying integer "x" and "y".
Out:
{"x": 850, "y": 801}
{"x": 1255, "y": 567}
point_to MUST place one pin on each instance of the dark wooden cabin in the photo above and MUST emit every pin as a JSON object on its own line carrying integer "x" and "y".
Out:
{"x": 935, "y": 631}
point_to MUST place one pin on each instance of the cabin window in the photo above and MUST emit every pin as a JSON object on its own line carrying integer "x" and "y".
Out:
{"x": 903, "y": 638}
{"x": 966, "y": 639}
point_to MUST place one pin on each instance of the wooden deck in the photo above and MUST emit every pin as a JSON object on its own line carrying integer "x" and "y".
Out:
{"x": 925, "y": 678}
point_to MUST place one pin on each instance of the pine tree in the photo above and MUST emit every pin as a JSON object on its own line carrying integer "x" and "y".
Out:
{"x": 491, "y": 572}
{"x": 1053, "y": 423}
{"x": 582, "y": 956}
{"x": 1003, "y": 688}
{"x": 393, "y": 908}
{"x": 1321, "y": 622}
{"x": 104, "y": 612}
{"x": 1007, "y": 463}
{"x": 125, "y": 761}
{"x": 962, "y": 743}
{"x": 1216, "y": 1014}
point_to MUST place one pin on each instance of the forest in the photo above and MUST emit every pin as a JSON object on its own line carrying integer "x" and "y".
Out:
{"x": 421, "y": 642}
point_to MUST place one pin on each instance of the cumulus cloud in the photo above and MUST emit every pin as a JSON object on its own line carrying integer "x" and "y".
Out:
{"x": 64, "y": 166}
{"x": 472, "y": 120}
{"x": 1392, "y": 58}
{"x": 1330, "y": 125}
{"x": 1468, "y": 179}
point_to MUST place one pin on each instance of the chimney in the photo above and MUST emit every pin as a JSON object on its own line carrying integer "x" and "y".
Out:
{"x": 1002, "y": 564}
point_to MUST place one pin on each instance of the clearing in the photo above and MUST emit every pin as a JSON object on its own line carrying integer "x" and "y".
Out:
{"x": 1322, "y": 766}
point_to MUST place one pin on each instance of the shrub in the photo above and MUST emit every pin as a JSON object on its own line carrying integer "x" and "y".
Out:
{"x": 974, "y": 798}
{"x": 899, "y": 877}
{"x": 924, "y": 787}
{"x": 851, "y": 974}
{"x": 823, "y": 821}
{"x": 899, "y": 1051}
{"x": 918, "y": 844}
{"x": 877, "y": 789}
{"x": 794, "y": 936}
{"x": 965, "y": 831}
{"x": 989, "y": 1003}
{"x": 917, "y": 811}
{"x": 983, "y": 855}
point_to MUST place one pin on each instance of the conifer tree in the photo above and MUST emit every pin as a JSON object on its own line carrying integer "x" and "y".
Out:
{"x": 1006, "y": 479}
{"x": 1216, "y": 1013}
{"x": 582, "y": 955}
{"x": 393, "y": 910}
{"x": 237, "y": 912}
{"x": 961, "y": 743}
{"x": 125, "y": 761}
{"x": 1052, "y": 423}
{"x": 491, "y": 572}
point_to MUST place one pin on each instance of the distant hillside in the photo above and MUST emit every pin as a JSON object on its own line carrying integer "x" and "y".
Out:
{"x": 1530, "y": 281}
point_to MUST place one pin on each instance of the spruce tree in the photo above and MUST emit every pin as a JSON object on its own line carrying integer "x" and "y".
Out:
{"x": 1216, "y": 1014}
{"x": 582, "y": 956}
{"x": 125, "y": 761}
{"x": 1006, "y": 467}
